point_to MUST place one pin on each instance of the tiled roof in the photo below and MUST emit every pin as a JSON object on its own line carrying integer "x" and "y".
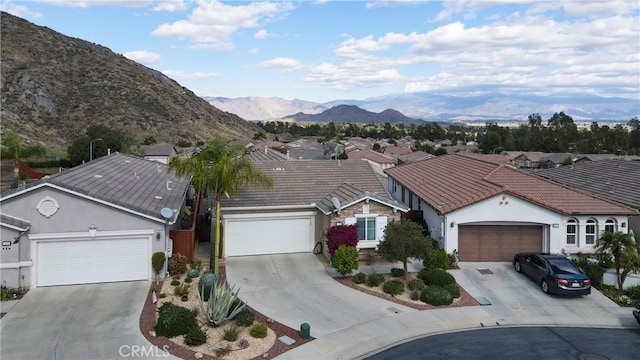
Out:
{"x": 348, "y": 194}
{"x": 140, "y": 185}
{"x": 614, "y": 179}
{"x": 18, "y": 224}
{"x": 372, "y": 156}
{"x": 161, "y": 149}
{"x": 266, "y": 155}
{"x": 450, "y": 182}
{"x": 415, "y": 156}
{"x": 396, "y": 150}
{"x": 303, "y": 183}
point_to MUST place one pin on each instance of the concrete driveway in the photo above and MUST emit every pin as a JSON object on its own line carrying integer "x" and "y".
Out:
{"x": 295, "y": 289}
{"x": 515, "y": 295}
{"x": 98, "y": 321}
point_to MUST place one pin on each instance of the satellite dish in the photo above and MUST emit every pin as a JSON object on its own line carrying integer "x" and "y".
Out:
{"x": 336, "y": 203}
{"x": 166, "y": 213}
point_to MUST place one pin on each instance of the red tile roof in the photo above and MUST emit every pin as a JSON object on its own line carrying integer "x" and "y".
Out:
{"x": 450, "y": 182}
{"x": 372, "y": 156}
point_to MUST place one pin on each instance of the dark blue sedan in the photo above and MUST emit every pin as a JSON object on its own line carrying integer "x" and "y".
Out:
{"x": 554, "y": 273}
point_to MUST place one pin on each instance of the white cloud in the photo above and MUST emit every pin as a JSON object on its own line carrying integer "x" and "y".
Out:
{"x": 254, "y": 51}
{"x": 385, "y": 3}
{"x": 143, "y": 57}
{"x": 212, "y": 23}
{"x": 282, "y": 63}
{"x": 343, "y": 78}
{"x": 261, "y": 34}
{"x": 91, "y": 3}
{"x": 181, "y": 75}
{"x": 170, "y": 5}
{"x": 19, "y": 10}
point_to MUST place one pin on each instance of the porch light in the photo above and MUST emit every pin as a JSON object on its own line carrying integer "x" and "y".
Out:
{"x": 624, "y": 224}
{"x": 453, "y": 224}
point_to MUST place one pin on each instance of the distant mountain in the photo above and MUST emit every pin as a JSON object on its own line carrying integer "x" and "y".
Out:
{"x": 352, "y": 114}
{"x": 437, "y": 107}
{"x": 261, "y": 108}
{"x": 54, "y": 87}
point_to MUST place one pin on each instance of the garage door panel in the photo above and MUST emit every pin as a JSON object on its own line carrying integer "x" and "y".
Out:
{"x": 92, "y": 261}
{"x": 268, "y": 236}
{"x": 497, "y": 242}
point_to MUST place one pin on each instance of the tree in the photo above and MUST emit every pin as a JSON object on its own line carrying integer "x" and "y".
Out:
{"x": 217, "y": 170}
{"x": 149, "y": 140}
{"x": 402, "y": 240}
{"x": 624, "y": 251}
{"x": 13, "y": 149}
{"x": 345, "y": 259}
{"x": 341, "y": 235}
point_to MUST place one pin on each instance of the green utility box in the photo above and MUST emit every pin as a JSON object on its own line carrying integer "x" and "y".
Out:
{"x": 305, "y": 330}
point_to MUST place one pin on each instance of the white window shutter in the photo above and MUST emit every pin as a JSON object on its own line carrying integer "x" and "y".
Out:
{"x": 381, "y": 224}
{"x": 350, "y": 221}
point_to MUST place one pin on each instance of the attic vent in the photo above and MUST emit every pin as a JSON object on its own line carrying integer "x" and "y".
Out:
{"x": 278, "y": 169}
{"x": 127, "y": 161}
{"x": 169, "y": 184}
{"x": 97, "y": 176}
{"x": 158, "y": 197}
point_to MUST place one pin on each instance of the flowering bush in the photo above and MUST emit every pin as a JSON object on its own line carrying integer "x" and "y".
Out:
{"x": 341, "y": 235}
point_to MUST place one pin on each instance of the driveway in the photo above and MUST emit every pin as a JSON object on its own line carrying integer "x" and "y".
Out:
{"x": 98, "y": 321}
{"x": 295, "y": 289}
{"x": 515, "y": 295}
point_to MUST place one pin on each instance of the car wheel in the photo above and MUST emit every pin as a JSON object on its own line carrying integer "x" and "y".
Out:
{"x": 518, "y": 266}
{"x": 545, "y": 286}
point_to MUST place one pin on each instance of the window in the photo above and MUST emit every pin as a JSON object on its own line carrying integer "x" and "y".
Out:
{"x": 366, "y": 228}
{"x": 410, "y": 200}
{"x": 610, "y": 226}
{"x": 402, "y": 195}
{"x": 394, "y": 184}
{"x": 590, "y": 237}
{"x": 572, "y": 232}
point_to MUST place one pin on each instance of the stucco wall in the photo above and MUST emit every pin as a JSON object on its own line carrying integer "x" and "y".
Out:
{"x": 73, "y": 217}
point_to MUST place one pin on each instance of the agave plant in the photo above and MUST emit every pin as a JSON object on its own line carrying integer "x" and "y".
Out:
{"x": 222, "y": 304}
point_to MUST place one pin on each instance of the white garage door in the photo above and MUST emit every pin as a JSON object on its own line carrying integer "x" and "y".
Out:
{"x": 268, "y": 235}
{"x": 92, "y": 261}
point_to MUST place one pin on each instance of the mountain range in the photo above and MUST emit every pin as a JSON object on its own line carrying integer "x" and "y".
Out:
{"x": 430, "y": 106}
{"x": 54, "y": 87}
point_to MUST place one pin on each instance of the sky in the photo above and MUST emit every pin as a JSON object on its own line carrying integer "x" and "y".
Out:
{"x": 327, "y": 50}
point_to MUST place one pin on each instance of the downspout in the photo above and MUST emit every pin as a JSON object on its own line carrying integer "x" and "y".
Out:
{"x": 16, "y": 240}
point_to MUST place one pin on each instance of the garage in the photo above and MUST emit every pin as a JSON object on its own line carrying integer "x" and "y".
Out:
{"x": 86, "y": 261}
{"x": 268, "y": 235}
{"x": 497, "y": 242}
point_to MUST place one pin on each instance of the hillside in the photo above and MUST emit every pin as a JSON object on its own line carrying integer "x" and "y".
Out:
{"x": 54, "y": 87}
{"x": 353, "y": 114}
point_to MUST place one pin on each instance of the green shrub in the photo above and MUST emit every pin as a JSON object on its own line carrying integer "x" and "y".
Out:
{"x": 436, "y": 295}
{"x": 231, "y": 333}
{"x": 162, "y": 295}
{"x": 188, "y": 280}
{"x": 360, "y": 278}
{"x": 345, "y": 259}
{"x": 374, "y": 279}
{"x": 416, "y": 284}
{"x": 177, "y": 264}
{"x": 245, "y": 318}
{"x": 258, "y": 331}
{"x": 436, "y": 277}
{"x": 222, "y": 352}
{"x": 610, "y": 291}
{"x": 157, "y": 262}
{"x": 415, "y": 294}
{"x": 196, "y": 264}
{"x": 195, "y": 336}
{"x": 205, "y": 284}
{"x": 175, "y": 282}
{"x": 181, "y": 290}
{"x": 174, "y": 320}
{"x": 393, "y": 287}
{"x": 436, "y": 259}
{"x": 454, "y": 289}
{"x": 594, "y": 272}
{"x": 192, "y": 273}
{"x": 397, "y": 272}
{"x": 633, "y": 292}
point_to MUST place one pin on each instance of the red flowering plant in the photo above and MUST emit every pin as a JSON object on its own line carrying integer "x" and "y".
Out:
{"x": 341, "y": 235}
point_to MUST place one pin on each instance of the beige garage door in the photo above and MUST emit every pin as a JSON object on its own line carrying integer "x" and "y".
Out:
{"x": 497, "y": 242}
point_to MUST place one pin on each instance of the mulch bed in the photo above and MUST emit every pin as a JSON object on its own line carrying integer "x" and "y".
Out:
{"x": 464, "y": 300}
{"x": 148, "y": 322}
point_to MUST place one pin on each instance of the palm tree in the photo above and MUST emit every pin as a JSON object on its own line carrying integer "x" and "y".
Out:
{"x": 624, "y": 251}
{"x": 217, "y": 170}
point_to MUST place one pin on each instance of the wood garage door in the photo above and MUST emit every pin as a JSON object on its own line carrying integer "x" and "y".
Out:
{"x": 497, "y": 242}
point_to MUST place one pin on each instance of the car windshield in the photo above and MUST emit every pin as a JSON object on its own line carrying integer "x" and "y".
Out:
{"x": 561, "y": 266}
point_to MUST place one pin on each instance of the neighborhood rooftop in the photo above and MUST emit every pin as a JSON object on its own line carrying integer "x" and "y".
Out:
{"x": 134, "y": 183}
{"x": 306, "y": 183}
{"x": 454, "y": 181}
